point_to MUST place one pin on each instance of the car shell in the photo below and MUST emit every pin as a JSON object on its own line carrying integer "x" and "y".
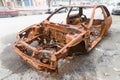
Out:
{"x": 43, "y": 45}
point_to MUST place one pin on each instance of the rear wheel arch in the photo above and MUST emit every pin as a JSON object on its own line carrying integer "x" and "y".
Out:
{"x": 78, "y": 49}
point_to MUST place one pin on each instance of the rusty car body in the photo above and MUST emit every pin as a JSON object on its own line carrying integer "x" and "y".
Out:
{"x": 42, "y": 45}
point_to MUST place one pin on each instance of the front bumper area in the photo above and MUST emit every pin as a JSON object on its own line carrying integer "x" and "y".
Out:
{"x": 33, "y": 62}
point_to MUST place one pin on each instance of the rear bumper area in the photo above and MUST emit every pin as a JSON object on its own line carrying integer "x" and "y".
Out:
{"x": 115, "y": 11}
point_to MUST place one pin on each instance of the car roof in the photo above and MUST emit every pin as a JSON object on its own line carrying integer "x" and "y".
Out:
{"x": 82, "y": 6}
{"x": 3, "y": 7}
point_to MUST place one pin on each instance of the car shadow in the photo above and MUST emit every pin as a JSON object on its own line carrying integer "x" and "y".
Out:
{"x": 9, "y": 59}
{"x": 80, "y": 67}
{"x": 83, "y": 67}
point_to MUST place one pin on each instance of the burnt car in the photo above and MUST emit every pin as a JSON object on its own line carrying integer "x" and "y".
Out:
{"x": 42, "y": 45}
{"x": 116, "y": 9}
{"x": 6, "y": 12}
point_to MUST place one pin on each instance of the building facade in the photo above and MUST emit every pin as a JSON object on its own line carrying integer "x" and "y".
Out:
{"x": 22, "y": 3}
{"x": 39, "y": 3}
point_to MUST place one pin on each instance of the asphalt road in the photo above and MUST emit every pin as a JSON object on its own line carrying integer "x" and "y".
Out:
{"x": 102, "y": 63}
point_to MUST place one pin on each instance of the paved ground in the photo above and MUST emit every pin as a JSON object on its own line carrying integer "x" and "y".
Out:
{"x": 102, "y": 63}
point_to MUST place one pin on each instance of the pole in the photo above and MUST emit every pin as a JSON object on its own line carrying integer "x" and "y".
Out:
{"x": 69, "y": 2}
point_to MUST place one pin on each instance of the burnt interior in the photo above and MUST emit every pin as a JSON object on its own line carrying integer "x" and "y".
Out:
{"x": 50, "y": 37}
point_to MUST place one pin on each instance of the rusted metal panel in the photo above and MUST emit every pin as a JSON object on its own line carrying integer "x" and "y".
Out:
{"x": 43, "y": 45}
